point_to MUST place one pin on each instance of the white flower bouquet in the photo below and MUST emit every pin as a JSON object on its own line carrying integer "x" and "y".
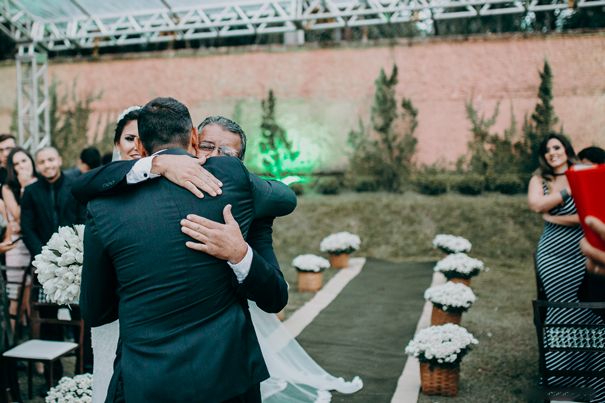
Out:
{"x": 442, "y": 346}
{"x": 59, "y": 265}
{"x": 451, "y": 297}
{"x": 72, "y": 390}
{"x": 452, "y": 243}
{"x": 310, "y": 263}
{"x": 339, "y": 243}
{"x": 459, "y": 265}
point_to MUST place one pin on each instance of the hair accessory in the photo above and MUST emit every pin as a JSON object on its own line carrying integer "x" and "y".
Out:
{"x": 127, "y": 111}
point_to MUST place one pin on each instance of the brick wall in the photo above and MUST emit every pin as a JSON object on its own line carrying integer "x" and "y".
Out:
{"x": 322, "y": 92}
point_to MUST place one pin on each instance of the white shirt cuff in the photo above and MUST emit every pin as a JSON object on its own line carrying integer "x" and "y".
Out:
{"x": 242, "y": 268}
{"x": 140, "y": 171}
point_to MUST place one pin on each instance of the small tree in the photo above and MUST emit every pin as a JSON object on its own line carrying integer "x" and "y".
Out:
{"x": 274, "y": 145}
{"x": 385, "y": 152}
{"x": 542, "y": 122}
{"x": 69, "y": 121}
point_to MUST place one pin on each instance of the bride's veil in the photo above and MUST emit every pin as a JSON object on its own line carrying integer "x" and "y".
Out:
{"x": 295, "y": 376}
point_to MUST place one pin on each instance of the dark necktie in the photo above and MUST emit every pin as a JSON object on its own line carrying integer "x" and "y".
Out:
{"x": 53, "y": 207}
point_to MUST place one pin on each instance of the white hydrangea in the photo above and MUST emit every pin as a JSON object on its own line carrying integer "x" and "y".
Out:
{"x": 72, "y": 390}
{"x": 340, "y": 242}
{"x": 310, "y": 263}
{"x": 451, "y": 296}
{"x": 452, "y": 243}
{"x": 445, "y": 344}
{"x": 459, "y": 265}
{"x": 59, "y": 265}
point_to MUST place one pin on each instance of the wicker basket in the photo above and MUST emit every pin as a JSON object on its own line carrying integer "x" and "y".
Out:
{"x": 439, "y": 381}
{"x": 309, "y": 281}
{"x": 340, "y": 261}
{"x": 465, "y": 281}
{"x": 441, "y": 317}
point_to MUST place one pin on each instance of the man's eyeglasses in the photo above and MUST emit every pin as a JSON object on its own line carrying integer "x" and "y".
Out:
{"x": 222, "y": 150}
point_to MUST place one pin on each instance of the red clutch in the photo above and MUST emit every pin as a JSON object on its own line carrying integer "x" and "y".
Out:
{"x": 587, "y": 183}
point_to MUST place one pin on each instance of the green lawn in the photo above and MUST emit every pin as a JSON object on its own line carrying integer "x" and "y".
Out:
{"x": 504, "y": 233}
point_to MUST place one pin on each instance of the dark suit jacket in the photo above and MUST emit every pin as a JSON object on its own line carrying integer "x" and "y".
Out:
{"x": 37, "y": 211}
{"x": 185, "y": 335}
{"x": 110, "y": 179}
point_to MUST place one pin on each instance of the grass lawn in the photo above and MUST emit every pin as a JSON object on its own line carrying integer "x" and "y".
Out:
{"x": 504, "y": 233}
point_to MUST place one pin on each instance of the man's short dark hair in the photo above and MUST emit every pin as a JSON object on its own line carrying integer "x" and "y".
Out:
{"x": 228, "y": 125}
{"x": 162, "y": 122}
{"x": 91, "y": 157}
{"x": 4, "y": 137}
{"x": 596, "y": 155}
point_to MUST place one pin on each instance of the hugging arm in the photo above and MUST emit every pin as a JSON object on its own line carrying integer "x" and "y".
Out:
{"x": 102, "y": 181}
{"x": 265, "y": 282}
{"x": 113, "y": 178}
{"x": 271, "y": 198}
{"x": 98, "y": 289}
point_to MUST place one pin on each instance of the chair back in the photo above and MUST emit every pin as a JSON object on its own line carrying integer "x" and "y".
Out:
{"x": 563, "y": 336}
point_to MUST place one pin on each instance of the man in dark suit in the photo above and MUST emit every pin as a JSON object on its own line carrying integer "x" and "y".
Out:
{"x": 217, "y": 136}
{"x": 185, "y": 335}
{"x": 48, "y": 203}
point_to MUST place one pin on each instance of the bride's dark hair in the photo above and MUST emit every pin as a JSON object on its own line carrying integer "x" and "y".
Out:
{"x": 545, "y": 169}
{"x": 129, "y": 116}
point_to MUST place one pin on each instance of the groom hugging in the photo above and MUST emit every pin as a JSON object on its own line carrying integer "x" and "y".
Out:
{"x": 186, "y": 334}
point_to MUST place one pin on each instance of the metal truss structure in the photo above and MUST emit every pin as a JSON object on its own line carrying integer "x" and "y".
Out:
{"x": 33, "y": 104}
{"x": 89, "y": 26}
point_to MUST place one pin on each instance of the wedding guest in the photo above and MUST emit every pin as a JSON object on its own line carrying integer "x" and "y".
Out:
{"x": 90, "y": 158}
{"x": 7, "y": 143}
{"x": 592, "y": 155}
{"x": 20, "y": 173}
{"x": 559, "y": 261}
{"x": 46, "y": 205}
{"x": 106, "y": 158}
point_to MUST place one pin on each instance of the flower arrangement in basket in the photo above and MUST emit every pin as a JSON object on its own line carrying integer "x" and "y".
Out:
{"x": 459, "y": 267}
{"x": 452, "y": 243}
{"x": 449, "y": 301}
{"x": 310, "y": 272}
{"x": 339, "y": 246}
{"x": 440, "y": 350}
{"x": 72, "y": 390}
{"x": 59, "y": 265}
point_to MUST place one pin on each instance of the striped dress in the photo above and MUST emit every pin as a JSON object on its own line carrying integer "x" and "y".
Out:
{"x": 561, "y": 267}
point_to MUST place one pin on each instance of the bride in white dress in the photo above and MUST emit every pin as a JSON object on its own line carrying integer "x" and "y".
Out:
{"x": 295, "y": 376}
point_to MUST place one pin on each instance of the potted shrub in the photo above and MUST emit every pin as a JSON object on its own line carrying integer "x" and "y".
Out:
{"x": 440, "y": 350}
{"x": 310, "y": 272}
{"x": 339, "y": 246}
{"x": 459, "y": 267}
{"x": 449, "y": 301}
{"x": 452, "y": 244}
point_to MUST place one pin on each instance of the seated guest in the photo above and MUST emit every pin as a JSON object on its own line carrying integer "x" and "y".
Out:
{"x": 90, "y": 158}
{"x": 7, "y": 143}
{"x": 106, "y": 158}
{"x": 592, "y": 155}
{"x": 20, "y": 173}
{"x": 46, "y": 205}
